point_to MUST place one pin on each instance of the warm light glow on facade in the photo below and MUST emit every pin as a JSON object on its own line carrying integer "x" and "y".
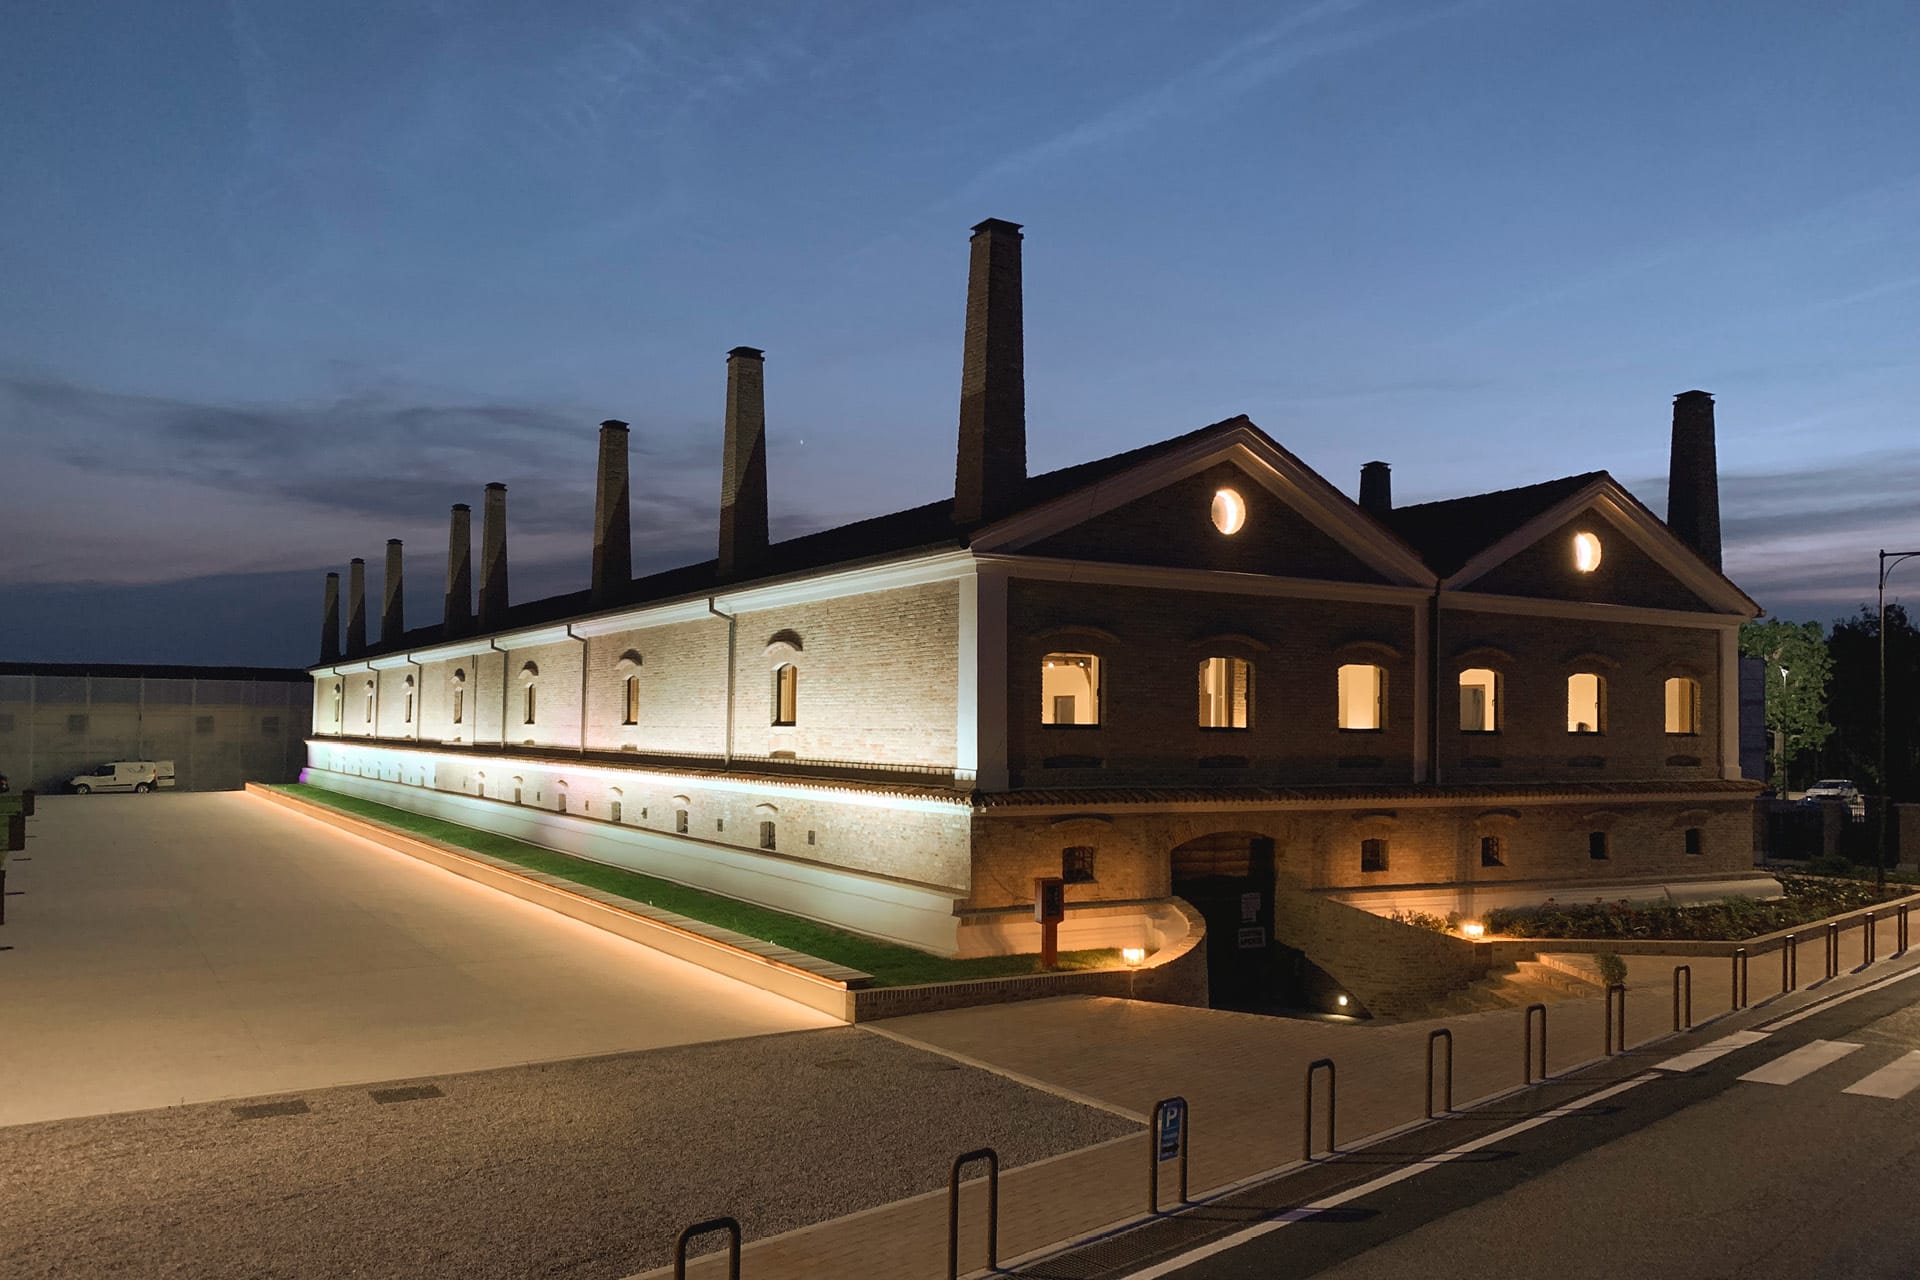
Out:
{"x": 1070, "y": 688}
{"x": 1586, "y": 552}
{"x": 1229, "y": 511}
{"x": 1363, "y": 696}
{"x": 1683, "y": 705}
{"x": 1586, "y": 703}
{"x": 1226, "y": 689}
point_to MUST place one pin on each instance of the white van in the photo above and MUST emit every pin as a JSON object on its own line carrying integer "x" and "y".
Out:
{"x": 117, "y": 775}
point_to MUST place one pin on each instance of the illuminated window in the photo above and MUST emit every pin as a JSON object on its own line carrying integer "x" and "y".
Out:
{"x": 1493, "y": 851}
{"x": 1586, "y": 703}
{"x": 1363, "y": 696}
{"x": 1694, "y": 840}
{"x": 1586, "y": 552}
{"x": 1597, "y": 845}
{"x": 786, "y": 694}
{"x": 527, "y": 706}
{"x": 1479, "y": 700}
{"x": 1070, "y": 688}
{"x": 1373, "y": 854}
{"x": 632, "y": 693}
{"x": 766, "y": 835}
{"x": 1683, "y": 705}
{"x": 1076, "y": 864}
{"x": 1229, "y": 511}
{"x": 1226, "y": 693}
{"x": 459, "y": 705}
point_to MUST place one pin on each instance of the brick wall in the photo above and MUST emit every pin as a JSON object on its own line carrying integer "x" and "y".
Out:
{"x": 1626, "y": 575}
{"x": 1174, "y": 526}
{"x": 1149, "y": 729}
{"x": 1532, "y": 742}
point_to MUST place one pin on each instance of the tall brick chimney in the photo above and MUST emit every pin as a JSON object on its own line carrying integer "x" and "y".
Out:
{"x": 992, "y": 468}
{"x": 743, "y": 468}
{"x": 393, "y": 604}
{"x": 330, "y": 621}
{"x": 1376, "y": 488}
{"x": 458, "y": 619}
{"x": 612, "y": 523}
{"x": 356, "y": 607}
{"x": 1693, "y": 477}
{"x": 493, "y": 558}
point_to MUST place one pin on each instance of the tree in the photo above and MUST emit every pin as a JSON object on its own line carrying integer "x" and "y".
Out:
{"x": 1797, "y": 670}
{"x": 1854, "y": 752}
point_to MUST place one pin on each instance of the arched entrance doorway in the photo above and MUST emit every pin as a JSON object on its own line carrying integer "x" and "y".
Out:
{"x": 1228, "y": 878}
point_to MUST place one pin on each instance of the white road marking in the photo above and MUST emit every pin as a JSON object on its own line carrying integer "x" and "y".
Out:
{"x": 1895, "y": 1080}
{"x": 1822, "y": 1006}
{"x": 1694, "y": 1059}
{"x": 1804, "y": 1061}
{"x": 1292, "y": 1216}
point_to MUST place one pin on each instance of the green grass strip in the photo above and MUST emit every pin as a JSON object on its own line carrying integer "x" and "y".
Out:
{"x": 890, "y": 964}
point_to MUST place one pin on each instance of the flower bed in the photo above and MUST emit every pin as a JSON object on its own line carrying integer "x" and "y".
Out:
{"x": 1808, "y": 898}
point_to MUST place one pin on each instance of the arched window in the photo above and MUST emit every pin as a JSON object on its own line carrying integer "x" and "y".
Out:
{"x": 1373, "y": 853}
{"x": 1493, "y": 851}
{"x": 526, "y": 705}
{"x": 409, "y": 715}
{"x": 560, "y": 796}
{"x": 1070, "y": 689}
{"x": 1597, "y": 846}
{"x": 1693, "y": 843}
{"x": 370, "y": 696}
{"x": 614, "y": 796}
{"x": 1226, "y": 693}
{"x": 459, "y": 683}
{"x": 1683, "y": 705}
{"x": 339, "y": 697}
{"x": 631, "y": 697}
{"x": 786, "y": 694}
{"x": 1363, "y": 696}
{"x": 1479, "y": 700}
{"x": 1586, "y": 702}
{"x": 1076, "y": 864}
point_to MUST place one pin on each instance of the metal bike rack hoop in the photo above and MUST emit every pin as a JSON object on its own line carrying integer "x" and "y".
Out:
{"x": 993, "y": 1209}
{"x": 729, "y": 1225}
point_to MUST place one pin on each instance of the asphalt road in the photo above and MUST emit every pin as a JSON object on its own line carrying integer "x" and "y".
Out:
{"x": 1655, "y": 1168}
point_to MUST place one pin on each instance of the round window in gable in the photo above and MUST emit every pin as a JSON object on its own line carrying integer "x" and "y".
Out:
{"x": 1586, "y": 552}
{"x": 1229, "y": 511}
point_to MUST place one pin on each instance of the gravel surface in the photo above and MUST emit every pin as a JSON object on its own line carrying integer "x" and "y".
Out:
{"x": 581, "y": 1169}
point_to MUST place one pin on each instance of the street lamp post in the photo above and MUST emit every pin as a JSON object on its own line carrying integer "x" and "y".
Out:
{"x": 1888, "y": 559}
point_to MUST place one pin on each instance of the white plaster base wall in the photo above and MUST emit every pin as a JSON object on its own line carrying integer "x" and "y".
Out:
{"x": 908, "y": 914}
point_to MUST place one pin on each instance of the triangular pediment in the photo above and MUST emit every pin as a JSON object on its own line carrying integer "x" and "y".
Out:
{"x": 1641, "y": 563}
{"x": 1161, "y": 512}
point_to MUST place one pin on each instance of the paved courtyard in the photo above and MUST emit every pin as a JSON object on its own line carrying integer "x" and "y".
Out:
{"x": 179, "y": 948}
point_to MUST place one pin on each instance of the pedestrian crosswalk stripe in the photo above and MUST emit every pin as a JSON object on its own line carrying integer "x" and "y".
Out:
{"x": 1895, "y": 1080}
{"x": 1693, "y": 1059}
{"x": 1804, "y": 1061}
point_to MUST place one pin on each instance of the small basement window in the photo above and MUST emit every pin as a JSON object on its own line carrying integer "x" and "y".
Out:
{"x": 631, "y": 704}
{"x": 1597, "y": 845}
{"x": 1070, "y": 689}
{"x": 680, "y": 821}
{"x": 613, "y": 811}
{"x": 1493, "y": 851}
{"x": 767, "y": 834}
{"x": 1076, "y": 864}
{"x": 1694, "y": 841}
{"x": 1363, "y": 696}
{"x": 527, "y": 706}
{"x": 1373, "y": 854}
{"x": 459, "y": 705}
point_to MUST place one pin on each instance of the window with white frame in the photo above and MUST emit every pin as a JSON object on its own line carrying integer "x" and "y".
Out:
{"x": 1070, "y": 689}
{"x": 1683, "y": 705}
{"x": 1363, "y": 696}
{"x": 1586, "y": 702}
{"x": 1479, "y": 700}
{"x": 1226, "y": 693}
{"x": 786, "y": 695}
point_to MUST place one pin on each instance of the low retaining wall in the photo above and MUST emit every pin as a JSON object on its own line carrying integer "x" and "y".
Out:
{"x": 1509, "y": 950}
{"x": 1392, "y": 969}
{"x": 1176, "y": 974}
{"x": 914, "y": 915}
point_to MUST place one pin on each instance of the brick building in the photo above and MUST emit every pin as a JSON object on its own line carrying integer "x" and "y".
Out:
{"x": 1194, "y": 669}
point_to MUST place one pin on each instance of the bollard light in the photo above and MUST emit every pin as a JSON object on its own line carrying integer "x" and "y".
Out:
{"x": 1341, "y": 1001}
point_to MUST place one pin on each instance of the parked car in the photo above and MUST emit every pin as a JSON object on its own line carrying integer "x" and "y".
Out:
{"x": 117, "y": 775}
{"x": 1840, "y": 789}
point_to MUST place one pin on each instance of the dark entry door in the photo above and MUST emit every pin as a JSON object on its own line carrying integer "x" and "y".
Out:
{"x": 1228, "y": 879}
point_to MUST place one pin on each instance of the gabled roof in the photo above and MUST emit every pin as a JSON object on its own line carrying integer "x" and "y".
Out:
{"x": 1449, "y": 533}
{"x": 928, "y": 527}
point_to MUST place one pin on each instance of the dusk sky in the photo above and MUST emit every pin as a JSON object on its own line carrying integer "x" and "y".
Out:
{"x": 284, "y": 281}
